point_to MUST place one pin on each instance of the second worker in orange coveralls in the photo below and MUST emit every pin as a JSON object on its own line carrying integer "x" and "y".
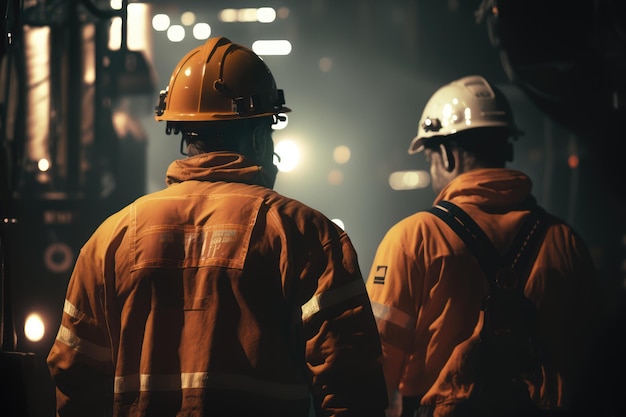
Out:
{"x": 429, "y": 291}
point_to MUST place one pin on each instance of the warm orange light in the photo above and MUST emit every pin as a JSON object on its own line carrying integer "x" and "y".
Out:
{"x": 34, "y": 327}
{"x": 573, "y": 161}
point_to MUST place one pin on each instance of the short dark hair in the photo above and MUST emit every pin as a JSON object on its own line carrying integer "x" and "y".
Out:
{"x": 225, "y": 135}
{"x": 490, "y": 145}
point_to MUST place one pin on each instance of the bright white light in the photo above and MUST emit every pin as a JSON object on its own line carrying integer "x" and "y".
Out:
{"x": 160, "y": 22}
{"x": 468, "y": 116}
{"x": 266, "y": 14}
{"x": 34, "y": 328}
{"x": 176, "y": 33}
{"x": 339, "y": 223}
{"x": 115, "y": 33}
{"x": 289, "y": 155}
{"x": 409, "y": 180}
{"x": 116, "y": 4}
{"x": 201, "y": 31}
{"x": 136, "y": 38}
{"x": 273, "y": 47}
{"x": 341, "y": 154}
{"x": 43, "y": 165}
{"x": 37, "y": 59}
{"x": 281, "y": 124}
{"x": 246, "y": 15}
{"x": 249, "y": 14}
{"x": 188, "y": 18}
{"x": 228, "y": 15}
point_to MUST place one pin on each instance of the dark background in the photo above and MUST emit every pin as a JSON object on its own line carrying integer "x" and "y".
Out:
{"x": 560, "y": 63}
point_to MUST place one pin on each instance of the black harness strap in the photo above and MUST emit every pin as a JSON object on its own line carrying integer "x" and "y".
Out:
{"x": 509, "y": 315}
{"x": 507, "y": 347}
{"x": 519, "y": 256}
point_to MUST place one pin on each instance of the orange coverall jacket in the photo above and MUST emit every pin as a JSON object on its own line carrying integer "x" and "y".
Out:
{"x": 426, "y": 290}
{"x": 217, "y": 297}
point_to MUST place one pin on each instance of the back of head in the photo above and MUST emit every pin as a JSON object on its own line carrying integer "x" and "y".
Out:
{"x": 469, "y": 113}
{"x": 219, "y": 87}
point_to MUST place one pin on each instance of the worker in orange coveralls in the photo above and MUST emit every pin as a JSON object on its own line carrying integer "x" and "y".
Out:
{"x": 217, "y": 296}
{"x": 436, "y": 309}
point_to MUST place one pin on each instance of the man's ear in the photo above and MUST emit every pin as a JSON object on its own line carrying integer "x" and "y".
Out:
{"x": 262, "y": 144}
{"x": 447, "y": 157}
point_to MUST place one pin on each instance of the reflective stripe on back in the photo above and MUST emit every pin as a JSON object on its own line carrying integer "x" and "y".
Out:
{"x": 174, "y": 382}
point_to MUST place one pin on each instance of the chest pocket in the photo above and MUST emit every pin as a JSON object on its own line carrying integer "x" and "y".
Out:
{"x": 193, "y": 231}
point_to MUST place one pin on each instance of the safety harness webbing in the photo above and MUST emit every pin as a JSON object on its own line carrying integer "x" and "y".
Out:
{"x": 520, "y": 255}
{"x": 507, "y": 346}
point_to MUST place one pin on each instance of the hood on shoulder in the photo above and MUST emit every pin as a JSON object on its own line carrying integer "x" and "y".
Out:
{"x": 489, "y": 188}
{"x": 214, "y": 166}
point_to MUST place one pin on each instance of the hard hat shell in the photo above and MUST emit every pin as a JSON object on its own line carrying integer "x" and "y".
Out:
{"x": 220, "y": 80}
{"x": 470, "y": 102}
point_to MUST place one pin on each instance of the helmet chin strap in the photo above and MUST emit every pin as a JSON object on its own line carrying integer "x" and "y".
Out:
{"x": 447, "y": 157}
{"x": 182, "y": 145}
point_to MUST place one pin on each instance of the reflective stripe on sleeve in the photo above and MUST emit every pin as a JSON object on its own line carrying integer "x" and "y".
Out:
{"x": 71, "y": 310}
{"x": 147, "y": 382}
{"x": 85, "y": 347}
{"x": 331, "y": 298}
{"x": 393, "y": 315}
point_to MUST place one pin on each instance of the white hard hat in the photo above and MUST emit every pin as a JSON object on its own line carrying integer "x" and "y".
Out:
{"x": 467, "y": 103}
